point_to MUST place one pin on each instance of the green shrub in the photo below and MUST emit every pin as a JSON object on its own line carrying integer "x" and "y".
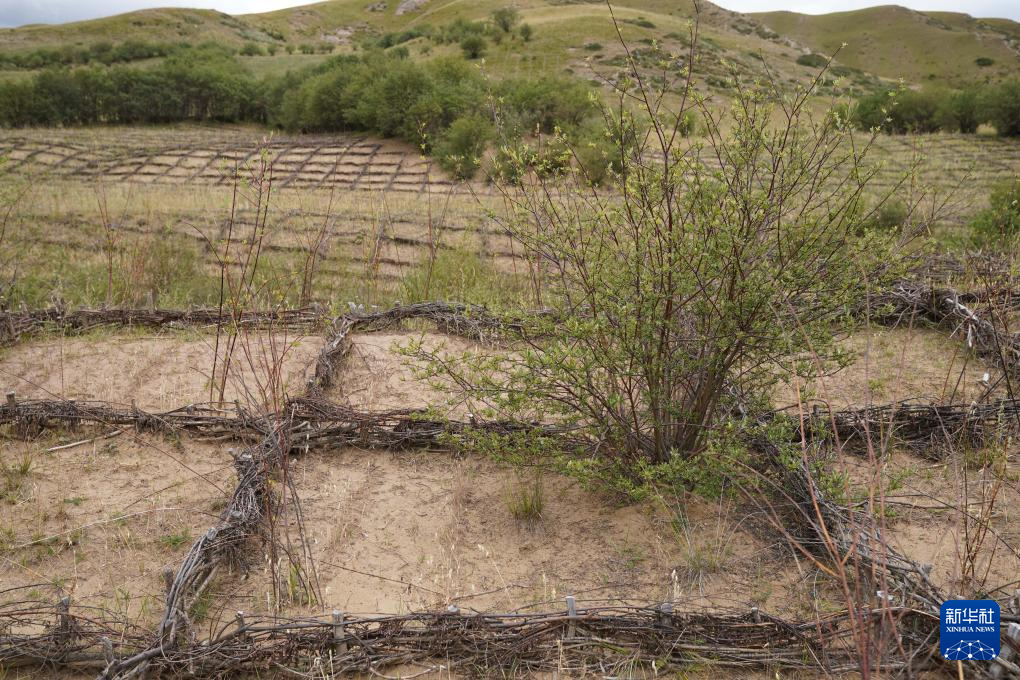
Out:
{"x": 890, "y": 215}
{"x": 461, "y": 145}
{"x": 543, "y": 103}
{"x": 901, "y": 111}
{"x": 506, "y": 19}
{"x": 999, "y": 224}
{"x": 640, "y": 22}
{"x": 459, "y": 275}
{"x": 527, "y": 32}
{"x": 473, "y": 46}
{"x": 251, "y": 49}
{"x": 1002, "y": 107}
{"x": 984, "y": 61}
{"x": 813, "y": 60}
{"x": 679, "y": 282}
{"x": 959, "y": 111}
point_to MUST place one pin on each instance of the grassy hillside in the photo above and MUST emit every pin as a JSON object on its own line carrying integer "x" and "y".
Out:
{"x": 156, "y": 25}
{"x": 579, "y": 37}
{"x": 569, "y": 37}
{"x": 895, "y": 42}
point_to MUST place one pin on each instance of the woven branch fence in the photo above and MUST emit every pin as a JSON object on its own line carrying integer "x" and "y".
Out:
{"x": 607, "y": 641}
{"x": 946, "y": 308}
{"x": 604, "y": 640}
{"x": 16, "y": 324}
{"x": 929, "y": 428}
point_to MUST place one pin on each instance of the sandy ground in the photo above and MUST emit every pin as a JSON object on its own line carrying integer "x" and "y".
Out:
{"x": 898, "y": 363}
{"x": 157, "y": 372}
{"x": 392, "y": 532}
{"x": 377, "y": 376}
{"x": 100, "y": 521}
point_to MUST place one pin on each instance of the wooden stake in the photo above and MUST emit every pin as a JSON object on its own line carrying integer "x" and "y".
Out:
{"x": 339, "y": 636}
{"x": 572, "y": 613}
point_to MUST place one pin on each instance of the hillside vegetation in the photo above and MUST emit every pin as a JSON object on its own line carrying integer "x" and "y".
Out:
{"x": 887, "y": 42}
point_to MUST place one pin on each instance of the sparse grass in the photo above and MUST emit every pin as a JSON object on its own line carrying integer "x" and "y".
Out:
{"x": 15, "y": 477}
{"x": 176, "y": 539}
{"x": 525, "y": 499}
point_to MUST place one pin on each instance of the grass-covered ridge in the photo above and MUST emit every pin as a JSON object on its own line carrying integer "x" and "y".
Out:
{"x": 896, "y": 42}
{"x": 887, "y": 42}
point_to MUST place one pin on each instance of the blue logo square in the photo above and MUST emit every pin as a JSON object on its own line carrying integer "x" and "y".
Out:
{"x": 969, "y": 630}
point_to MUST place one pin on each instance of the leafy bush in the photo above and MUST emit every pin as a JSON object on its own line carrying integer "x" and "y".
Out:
{"x": 640, "y": 22}
{"x": 457, "y": 275}
{"x": 506, "y": 19}
{"x": 679, "y": 283}
{"x": 473, "y": 46}
{"x": 400, "y": 37}
{"x": 1002, "y": 105}
{"x": 889, "y": 216}
{"x": 527, "y": 32}
{"x": 999, "y": 224}
{"x": 901, "y": 111}
{"x": 204, "y": 83}
{"x": 251, "y": 49}
{"x": 813, "y": 60}
{"x": 984, "y": 61}
{"x": 959, "y": 111}
{"x": 543, "y": 103}
{"x": 461, "y": 145}
{"x": 102, "y": 52}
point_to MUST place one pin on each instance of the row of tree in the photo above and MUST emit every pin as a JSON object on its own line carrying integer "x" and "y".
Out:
{"x": 205, "y": 83}
{"x": 934, "y": 109}
{"x": 81, "y": 55}
{"x": 444, "y": 105}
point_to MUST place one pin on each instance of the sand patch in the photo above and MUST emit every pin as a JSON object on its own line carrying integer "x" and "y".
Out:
{"x": 157, "y": 372}
{"x": 99, "y": 522}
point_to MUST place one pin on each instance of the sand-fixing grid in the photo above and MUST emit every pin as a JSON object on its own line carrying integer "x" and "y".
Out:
{"x": 282, "y": 456}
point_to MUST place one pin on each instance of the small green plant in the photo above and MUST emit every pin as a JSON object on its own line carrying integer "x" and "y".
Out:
{"x": 15, "y": 476}
{"x": 525, "y": 499}
{"x": 175, "y": 540}
{"x": 297, "y": 591}
{"x": 200, "y": 607}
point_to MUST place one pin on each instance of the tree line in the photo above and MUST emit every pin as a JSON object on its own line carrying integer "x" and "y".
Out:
{"x": 103, "y": 52}
{"x": 934, "y": 109}
{"x": 444, "y": 105}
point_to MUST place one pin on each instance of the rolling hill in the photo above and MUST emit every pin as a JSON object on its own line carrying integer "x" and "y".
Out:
{"x": 896, "y": 42}
{"x": 576, "y": 36}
